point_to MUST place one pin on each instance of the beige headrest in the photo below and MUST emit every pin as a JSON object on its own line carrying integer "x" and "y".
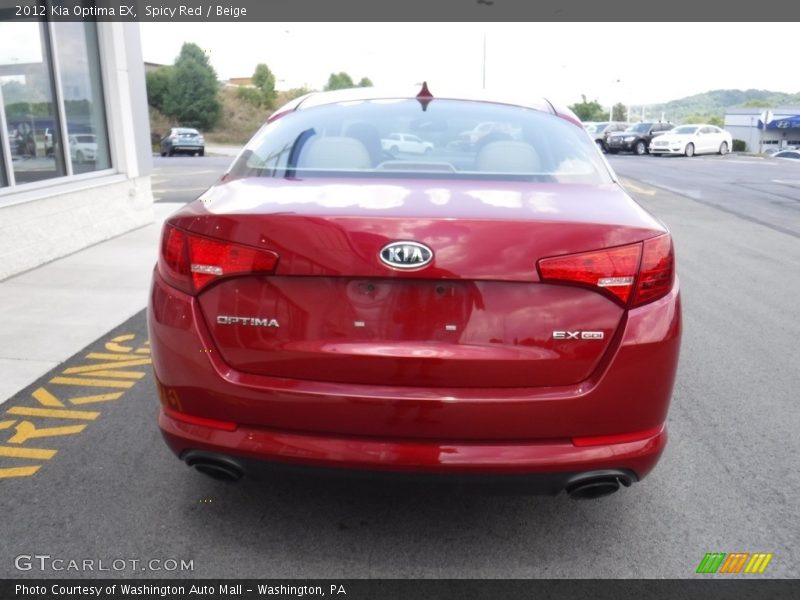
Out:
{"x": 334, "y": 153}
{"x": 508, "y": 157}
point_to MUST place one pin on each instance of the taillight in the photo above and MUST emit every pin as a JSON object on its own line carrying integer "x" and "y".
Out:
{"x": 633, "y": 275}
{"x": 657, "y": 271}
{"x": 190, "y": 262}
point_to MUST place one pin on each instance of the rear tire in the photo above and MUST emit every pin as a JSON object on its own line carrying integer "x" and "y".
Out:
{"x": 689, "y": 151}
{"x": 723, "y": 148}
{"x": 640, "y": 148}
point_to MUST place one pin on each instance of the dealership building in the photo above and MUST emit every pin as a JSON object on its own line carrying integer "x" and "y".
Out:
{"x": 75, "y": 156}
{"x": 763, "y": 129}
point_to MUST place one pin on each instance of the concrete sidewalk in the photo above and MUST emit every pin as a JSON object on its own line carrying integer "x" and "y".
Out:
{"x": 223, "y": 149}
{"x": 51, "y": 312}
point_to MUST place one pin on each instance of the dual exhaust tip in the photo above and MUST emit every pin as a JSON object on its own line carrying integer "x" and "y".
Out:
{"x": 584, "y": 486}
{"x": 215, "y": 466}
{"x": 596, "y": 484}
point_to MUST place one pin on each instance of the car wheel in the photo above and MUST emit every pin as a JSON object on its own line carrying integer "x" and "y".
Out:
{"x": 171, "y": 152}
{"x": 640, "y": 148}
{"x": 394, "y": 150}
{"x": 428, "y": 150}
{"x": 202, "y": 152}
{"x": 163, "y": 153}
{"x": 689, "y": 151}
{"x": 601, "y": 145}
{"x": 723, "y": 148}
{"x": 79, "y": 158}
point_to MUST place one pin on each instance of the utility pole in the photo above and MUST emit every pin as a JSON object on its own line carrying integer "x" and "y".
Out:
{"x": 484, "y": 60}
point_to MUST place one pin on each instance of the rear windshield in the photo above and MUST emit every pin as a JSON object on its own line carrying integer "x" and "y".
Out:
{"x": 685, "y": 129}
{"x": 446, "y": 139}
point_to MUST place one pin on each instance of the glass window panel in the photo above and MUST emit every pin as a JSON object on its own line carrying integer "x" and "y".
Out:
{"x": 28, "y": 100}
{"x": 82, "y": 88}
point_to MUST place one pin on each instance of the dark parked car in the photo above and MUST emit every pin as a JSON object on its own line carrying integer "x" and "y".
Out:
{"x": 636, "y": 138}
{"x": 182, "y": 140}
{"x": 600, "y": 131}
{"x": 502, "y": 311}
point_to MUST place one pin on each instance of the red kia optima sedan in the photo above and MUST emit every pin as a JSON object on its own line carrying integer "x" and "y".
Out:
{"x": 498, "y": 308}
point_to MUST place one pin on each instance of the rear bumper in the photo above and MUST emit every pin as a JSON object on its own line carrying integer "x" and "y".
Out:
{"x": 560, "y": 459}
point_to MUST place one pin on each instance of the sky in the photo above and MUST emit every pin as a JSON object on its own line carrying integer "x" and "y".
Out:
{"x": 645, "y": 63}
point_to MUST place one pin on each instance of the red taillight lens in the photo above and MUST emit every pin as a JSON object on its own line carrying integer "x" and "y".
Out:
{"x": 173, "y": 263}
{"x": 190, "y": 262}
{"x": 634, "y": 274}
{"x": 613, "y": 270}
{"x": 657, "y": 271}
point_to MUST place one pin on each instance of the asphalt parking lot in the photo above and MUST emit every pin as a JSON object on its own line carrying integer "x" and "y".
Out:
{"x": 105, "y": 487}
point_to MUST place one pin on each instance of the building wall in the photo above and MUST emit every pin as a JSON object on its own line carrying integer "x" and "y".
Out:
{"x": 43, "y": 220}
{"x": 742, "y": 123}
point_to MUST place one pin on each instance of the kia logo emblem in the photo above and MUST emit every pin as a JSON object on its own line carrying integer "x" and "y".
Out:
{"x": 406, "y": 255}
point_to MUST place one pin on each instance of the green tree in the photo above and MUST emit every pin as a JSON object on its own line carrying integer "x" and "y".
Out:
{"x": 618, "y": 112}
{"x": 339, "y": 81}
{"x": 758, "y": 104}
{"x": 589, "y": 111}
{"x": 365, "y": 82}
{"x": 192, "y": 97}
{"x": 158, "y": 82}
{"x": 264, "y": 80}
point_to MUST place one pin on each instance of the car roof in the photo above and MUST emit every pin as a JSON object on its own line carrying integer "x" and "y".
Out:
{"x": 376, "y": 93}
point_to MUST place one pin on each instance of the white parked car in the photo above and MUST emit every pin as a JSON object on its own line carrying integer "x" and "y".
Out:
{"x": 787, "y": 155}
{"x": 83, "y": 147}
{"x": 692, "y": 139}
{"x": 404, "y": 142}
{"x": 776, "y": 149}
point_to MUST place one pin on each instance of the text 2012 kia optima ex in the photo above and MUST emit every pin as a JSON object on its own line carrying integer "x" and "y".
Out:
{"x": 493, "y": 308}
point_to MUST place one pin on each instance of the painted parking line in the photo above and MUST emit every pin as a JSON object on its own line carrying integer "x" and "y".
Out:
{"x": 61, "y": 407}
{"x": 638, "y": 188}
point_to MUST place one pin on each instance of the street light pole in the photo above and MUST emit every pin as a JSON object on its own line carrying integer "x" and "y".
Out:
{"x": 611, "y": 110}
{"x": 484, "y": 60}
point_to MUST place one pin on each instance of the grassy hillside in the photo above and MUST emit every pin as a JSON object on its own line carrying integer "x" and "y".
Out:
{"x": 239, "y": 120}
{"x": 715, "y": 102}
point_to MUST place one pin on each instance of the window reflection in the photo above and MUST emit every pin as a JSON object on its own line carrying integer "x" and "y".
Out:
{"x": 28, "y": 100}
{"x": 81, "y": 85}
